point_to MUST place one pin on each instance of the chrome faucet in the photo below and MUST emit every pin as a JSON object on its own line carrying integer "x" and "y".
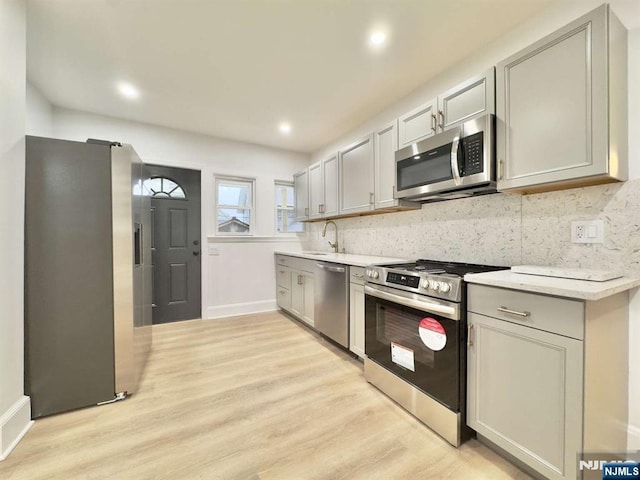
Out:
{"x": 324, "y": 233}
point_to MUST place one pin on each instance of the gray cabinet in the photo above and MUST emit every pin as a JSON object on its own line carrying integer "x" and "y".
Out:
{"x": 470, "y": 99}
{"x": 295, "y": 287}
{"x": 356, "y": 179}
{"x": 301, "y": 187}
{"x": 562, "y": 108}
{"x": 356, "y": 311}
{"x": 418, "y": 124}
{"x": 538, "y": 386}
{"x": 316, "y": 191}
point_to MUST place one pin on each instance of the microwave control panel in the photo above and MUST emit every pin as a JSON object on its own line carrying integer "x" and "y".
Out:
{"x": 473, "y": 147}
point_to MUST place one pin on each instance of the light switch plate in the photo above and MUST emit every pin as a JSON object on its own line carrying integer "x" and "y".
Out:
{"x": 587, "y": 231}
{"x": 214, "y": 250}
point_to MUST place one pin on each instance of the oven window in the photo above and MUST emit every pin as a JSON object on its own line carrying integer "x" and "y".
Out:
{"x": 431, "y": 362}
{"x": 425, "y": 168}
{"x": 402, "y": 331}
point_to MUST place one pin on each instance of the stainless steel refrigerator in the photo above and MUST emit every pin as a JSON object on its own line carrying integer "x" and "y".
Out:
{"x": 88, "y": 277}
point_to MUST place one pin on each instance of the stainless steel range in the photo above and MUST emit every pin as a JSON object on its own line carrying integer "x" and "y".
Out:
{"x": 415, "y": 335}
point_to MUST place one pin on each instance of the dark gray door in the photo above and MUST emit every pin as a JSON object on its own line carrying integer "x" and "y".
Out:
{"x": 176, "y": 249}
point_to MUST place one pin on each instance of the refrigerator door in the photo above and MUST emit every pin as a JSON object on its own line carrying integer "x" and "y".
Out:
{"x": 69, "y": 352}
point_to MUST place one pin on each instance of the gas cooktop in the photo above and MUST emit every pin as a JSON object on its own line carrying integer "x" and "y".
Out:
{"x": 426, "y": 277}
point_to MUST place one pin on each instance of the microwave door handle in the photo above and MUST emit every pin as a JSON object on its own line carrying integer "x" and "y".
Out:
{"x": 455, "y": 170}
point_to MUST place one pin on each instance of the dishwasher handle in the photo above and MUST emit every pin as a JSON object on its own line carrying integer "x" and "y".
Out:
{"x": 328, "y": 268}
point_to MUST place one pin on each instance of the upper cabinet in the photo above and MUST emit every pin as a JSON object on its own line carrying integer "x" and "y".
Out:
{"x": 562, "y": 108}
{"x": 417, "y": 124}
{"x": 470, "y": 99}
{"x": 301, "y": 187}
{"x": 385, "y": 144}
{"x": 323, "y": 188}
{"x": 355, "y": 172}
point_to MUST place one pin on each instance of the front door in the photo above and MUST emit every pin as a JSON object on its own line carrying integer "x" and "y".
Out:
{"x": 176, "y": 249}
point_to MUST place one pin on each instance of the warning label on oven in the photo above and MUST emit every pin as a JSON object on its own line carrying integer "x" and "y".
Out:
{"x": 432, "y": 333}
{"x": 403, "y": 356}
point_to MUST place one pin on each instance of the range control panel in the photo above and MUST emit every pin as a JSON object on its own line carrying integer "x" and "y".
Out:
{"x": 406, "y": 280}
{"x": 473, "y": 147}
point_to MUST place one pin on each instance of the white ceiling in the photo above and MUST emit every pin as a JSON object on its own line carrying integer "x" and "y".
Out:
{"x": 236, "y": 69}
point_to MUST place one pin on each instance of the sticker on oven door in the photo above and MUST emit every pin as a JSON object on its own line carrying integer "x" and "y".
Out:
{"x": 432, "y": 333}
{"x": 403, "y": 356}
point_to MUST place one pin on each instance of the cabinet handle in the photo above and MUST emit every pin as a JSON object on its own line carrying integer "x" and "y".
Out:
{"x": 469, "y": 331}
{"x": 281, "y": 271}
{"x": 300, "y": 282}
{"x": 500, "y": 169}
{"x": 358, "y": 275}
{"x": 514, "y": 312}
{"x": 321, "y": 208}
{"x": 371, "y": 199}
{"x": 282, "y": 292}
{"x": 306, "y": 212}
{"x": 441, "y": 115}
{"x": 433, "y": 123}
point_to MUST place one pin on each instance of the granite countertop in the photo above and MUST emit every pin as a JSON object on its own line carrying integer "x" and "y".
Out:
{"x": 345, "y": 258}
{"x": 561, "y": 287}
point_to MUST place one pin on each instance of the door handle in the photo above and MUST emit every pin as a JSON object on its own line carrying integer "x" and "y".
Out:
{"x": 196, "y": 253}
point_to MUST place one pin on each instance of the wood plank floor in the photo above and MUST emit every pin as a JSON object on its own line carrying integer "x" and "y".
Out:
{"x": 253, "y": 397}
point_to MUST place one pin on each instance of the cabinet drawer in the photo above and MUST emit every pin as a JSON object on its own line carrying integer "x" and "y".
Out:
{"x": 296, "y": 263}
{"x": 284, "y": 298}
{"x": 356, "y": 275}
{"x": 283, "y": 260}
{"x": 551, "y": 314}
{"x": 283, "y": 276}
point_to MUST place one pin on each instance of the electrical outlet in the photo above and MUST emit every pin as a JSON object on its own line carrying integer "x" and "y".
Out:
{"x": 587, "y": 231}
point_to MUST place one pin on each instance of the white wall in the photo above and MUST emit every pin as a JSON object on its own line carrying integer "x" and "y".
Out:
{"x": 538, "y": 224}
{"x": 39, "y": 118}
{"x": 15, "y": 412}
{"x": 230, "y": 283}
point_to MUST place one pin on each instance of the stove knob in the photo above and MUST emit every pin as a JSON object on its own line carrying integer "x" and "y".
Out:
{"x": 375, "y": 274}
{"x": 424, "y": 283}
{"x": 367, "y": 273}
{"x": 433, "y": 285}
{"x": 444, "y": 287}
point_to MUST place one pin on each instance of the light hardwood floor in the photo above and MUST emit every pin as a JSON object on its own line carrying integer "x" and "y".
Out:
{"x": 253, "y": 397}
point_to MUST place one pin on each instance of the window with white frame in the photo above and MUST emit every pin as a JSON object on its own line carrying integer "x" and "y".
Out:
{"x": 235, "y": 203}
{"x": 285, "y": 209}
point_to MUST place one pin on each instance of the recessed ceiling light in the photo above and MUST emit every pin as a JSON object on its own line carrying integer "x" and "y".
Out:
{"x": 376, "y": 39}
{"x": 128, "y": 91}
{"x": 285, "y": 128}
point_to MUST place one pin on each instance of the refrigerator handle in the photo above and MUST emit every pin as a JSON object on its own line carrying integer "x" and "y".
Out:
{"x": 137, "y": 244}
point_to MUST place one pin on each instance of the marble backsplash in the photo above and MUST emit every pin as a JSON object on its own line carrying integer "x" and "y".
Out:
{"x": 503, "y": 229}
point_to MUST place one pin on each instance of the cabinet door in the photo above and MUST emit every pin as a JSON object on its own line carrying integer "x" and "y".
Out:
{"x": 330, "y": 181}
{"x": 524, "y": 393}
{"x": 552, "y": 107}
{"x": 474, "y": 97}
{"x": 309, "y": 298}
{"x": 385, "y": 146}
{"x": 316, "y": 191}
{"x": 283, "y": 296}
{"x": 297, "y": 293}
{"x": 417, "y": 124}
{"x": 356, "y": 319}
{"x": 356, "y": 177}
{"x": 301, "y": 186}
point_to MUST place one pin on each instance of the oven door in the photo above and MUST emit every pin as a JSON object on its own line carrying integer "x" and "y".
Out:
{"x": 416, "y": 338}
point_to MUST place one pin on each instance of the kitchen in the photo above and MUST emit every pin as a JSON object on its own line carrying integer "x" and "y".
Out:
{"x": 504, "y": 229}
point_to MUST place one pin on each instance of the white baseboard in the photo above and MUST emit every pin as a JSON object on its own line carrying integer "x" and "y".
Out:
{"x": 633, "y": 438}
{"x": 14, "y": 424}
{"x": 234, "y": 309}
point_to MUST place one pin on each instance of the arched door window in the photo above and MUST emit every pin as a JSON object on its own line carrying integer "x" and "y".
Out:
{"x": 162, "y": 187}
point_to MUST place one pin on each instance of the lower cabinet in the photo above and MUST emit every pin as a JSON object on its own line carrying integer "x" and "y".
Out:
{"x": 356, "y": 311}
{"x": 295, "y": 287}
{"x": 538, "y": 384}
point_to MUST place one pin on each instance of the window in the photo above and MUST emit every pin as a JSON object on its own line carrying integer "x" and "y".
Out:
{"x": 234, "y": 206}
{"x": 161, "y": 187}
{"x": 285, "y": 209}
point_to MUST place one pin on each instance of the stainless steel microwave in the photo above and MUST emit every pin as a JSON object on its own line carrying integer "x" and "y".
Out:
{"x": 455, "y": 163}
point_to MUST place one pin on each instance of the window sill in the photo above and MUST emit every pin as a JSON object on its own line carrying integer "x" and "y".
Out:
{"x": 252, "y": 239}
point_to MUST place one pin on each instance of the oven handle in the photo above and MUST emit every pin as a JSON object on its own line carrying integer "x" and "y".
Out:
{"x": 424, "y": 305}
{"x": 455, "y": 170}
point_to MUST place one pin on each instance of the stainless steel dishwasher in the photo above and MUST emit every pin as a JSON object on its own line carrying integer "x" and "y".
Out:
{"x": 331, "y": 312}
